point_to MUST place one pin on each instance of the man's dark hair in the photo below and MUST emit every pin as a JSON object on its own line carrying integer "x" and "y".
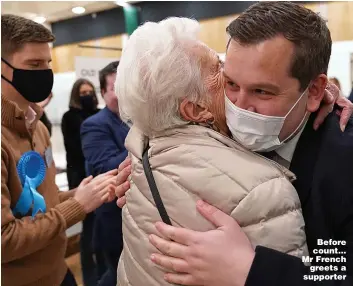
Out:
{"x": 108, "y": 70}
{"x": 17, "y": 31}
{"x": 303, "y": 27}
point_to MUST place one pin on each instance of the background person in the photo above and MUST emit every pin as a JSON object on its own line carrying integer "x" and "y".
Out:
{"x": 83, "y": 104}
{"x": 103, "y": 137}
{"x": 335, "y": 81}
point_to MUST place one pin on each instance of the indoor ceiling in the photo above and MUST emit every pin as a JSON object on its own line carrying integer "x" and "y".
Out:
{"x": 53, "y": 10}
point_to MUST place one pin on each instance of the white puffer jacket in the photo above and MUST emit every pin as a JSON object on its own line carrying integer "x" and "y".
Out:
{"x": 195, "y": 162}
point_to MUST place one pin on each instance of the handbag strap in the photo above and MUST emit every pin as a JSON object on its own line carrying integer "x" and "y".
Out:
{"x": 153, "y": 187}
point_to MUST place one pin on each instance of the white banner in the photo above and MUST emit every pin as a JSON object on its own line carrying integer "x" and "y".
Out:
{"x": 89, "y": 67}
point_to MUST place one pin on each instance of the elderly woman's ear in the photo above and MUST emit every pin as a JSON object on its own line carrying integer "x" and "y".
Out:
{"x": 194, "y": 113}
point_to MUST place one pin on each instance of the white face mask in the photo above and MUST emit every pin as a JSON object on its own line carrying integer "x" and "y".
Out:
{"x": 255, "y": 131}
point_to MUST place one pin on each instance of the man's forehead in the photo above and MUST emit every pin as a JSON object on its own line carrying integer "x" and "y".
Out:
{"x": 111, "y": 78}
{"x": 271, "y": 57}
{"x": 34, "y": 51}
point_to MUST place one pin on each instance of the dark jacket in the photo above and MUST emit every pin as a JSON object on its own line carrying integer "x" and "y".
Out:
{"x": 103, "y": 136}
{"x": 70, "y": 127}
{"x": 351, "y": 96}
{"x": 323, "y": 163}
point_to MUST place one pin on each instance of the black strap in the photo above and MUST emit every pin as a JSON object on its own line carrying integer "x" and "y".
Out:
{"x": 154, "y": 190}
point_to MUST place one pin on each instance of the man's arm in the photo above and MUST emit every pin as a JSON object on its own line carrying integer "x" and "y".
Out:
{"x": 99, "y": 148}
{"x": 21, "y": 237}
{"x": 274, "y": 268}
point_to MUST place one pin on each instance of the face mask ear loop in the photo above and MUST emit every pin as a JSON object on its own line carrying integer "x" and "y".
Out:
{"x": 296, "y": 129}
{"x": 6, "y": 62}
{"x": 295, "y": 104}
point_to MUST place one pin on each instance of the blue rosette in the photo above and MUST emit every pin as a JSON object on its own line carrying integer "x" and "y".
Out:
{"x": 31, "y": 171}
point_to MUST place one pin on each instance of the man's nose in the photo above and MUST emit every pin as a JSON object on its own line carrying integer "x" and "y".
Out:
{"x": 243, "y": 101}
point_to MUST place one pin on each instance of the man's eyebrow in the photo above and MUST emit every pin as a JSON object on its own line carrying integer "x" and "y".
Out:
{"x": 265, "y": 85}
{"x": 259, "y": 85}
{"x": 227, "y": 76}
{"x": 38, "y": 60}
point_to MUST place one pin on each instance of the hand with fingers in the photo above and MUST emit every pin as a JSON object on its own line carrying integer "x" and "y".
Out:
{"x": 122, "y": 182}
{"x": 93, "y": 192}
{"x": 221, "y": 257}
{"x": 332, "y": 96}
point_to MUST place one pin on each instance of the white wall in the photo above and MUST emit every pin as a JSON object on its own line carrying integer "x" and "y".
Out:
{"x": 340, "y": 65}
{"x": 63, "y": 83}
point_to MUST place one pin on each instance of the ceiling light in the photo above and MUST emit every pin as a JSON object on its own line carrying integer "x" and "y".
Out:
{"x": 78, "y": 10}
{"x": 39, "y": 19}
{"x": 122, "y": 3}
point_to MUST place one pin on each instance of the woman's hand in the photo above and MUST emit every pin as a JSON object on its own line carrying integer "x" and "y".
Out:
{"x": 221, "y": 257}
{"x": 332, "y": 96}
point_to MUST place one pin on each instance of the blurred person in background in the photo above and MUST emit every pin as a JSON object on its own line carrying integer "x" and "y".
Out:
{"x": 103, "y": 136}
{"x": 83, "y": 104}
{"x": 34, "y": 213}
{"x": 336, "y": 82}
{"x": 44, "y": 118}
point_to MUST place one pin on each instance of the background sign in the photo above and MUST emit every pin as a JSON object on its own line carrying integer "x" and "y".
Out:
{"x": 89, "y": 67}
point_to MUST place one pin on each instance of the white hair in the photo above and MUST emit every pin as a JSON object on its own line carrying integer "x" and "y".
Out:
{"x": 156, "y": 71}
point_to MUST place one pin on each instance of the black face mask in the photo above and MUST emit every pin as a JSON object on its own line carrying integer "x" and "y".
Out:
{"x": 87, "y": 102}
{"x": 33, "y": 85}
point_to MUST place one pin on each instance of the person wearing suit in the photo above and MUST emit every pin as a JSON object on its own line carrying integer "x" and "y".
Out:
{"x": 103, "y": 136}
{"x": 276, "y": 71}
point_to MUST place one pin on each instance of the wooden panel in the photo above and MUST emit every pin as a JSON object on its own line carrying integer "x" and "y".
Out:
{"x": 340, "y": 20}
{"x": 64, "y": 56}
{"x": 213, "y": 32}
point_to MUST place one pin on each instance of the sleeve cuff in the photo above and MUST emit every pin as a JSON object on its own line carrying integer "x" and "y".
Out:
{"x": 271, "y": 267}
{"x": 72, "y": 211}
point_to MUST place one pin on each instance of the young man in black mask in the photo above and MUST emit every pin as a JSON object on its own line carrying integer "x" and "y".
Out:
{"x": 34, "y": 216}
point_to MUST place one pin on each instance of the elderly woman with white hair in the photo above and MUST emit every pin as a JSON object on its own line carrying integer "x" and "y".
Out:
{"x": 170, "y": 85}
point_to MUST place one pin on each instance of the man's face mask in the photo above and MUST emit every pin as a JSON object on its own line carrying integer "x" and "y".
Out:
{"x": 33, "y": 85}
{"x": 255, "y": 131}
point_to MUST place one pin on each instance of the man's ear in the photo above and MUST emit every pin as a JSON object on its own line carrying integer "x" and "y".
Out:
{"x": 194, "y": 113}
{"x": 316, "y": 93}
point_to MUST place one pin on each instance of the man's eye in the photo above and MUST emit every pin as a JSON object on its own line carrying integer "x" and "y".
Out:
{"x": 261, "y": 91}
{"x": 34, "y": 65}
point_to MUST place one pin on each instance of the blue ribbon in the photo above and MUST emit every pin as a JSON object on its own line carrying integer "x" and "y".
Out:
{"x": 31, "y": 171}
